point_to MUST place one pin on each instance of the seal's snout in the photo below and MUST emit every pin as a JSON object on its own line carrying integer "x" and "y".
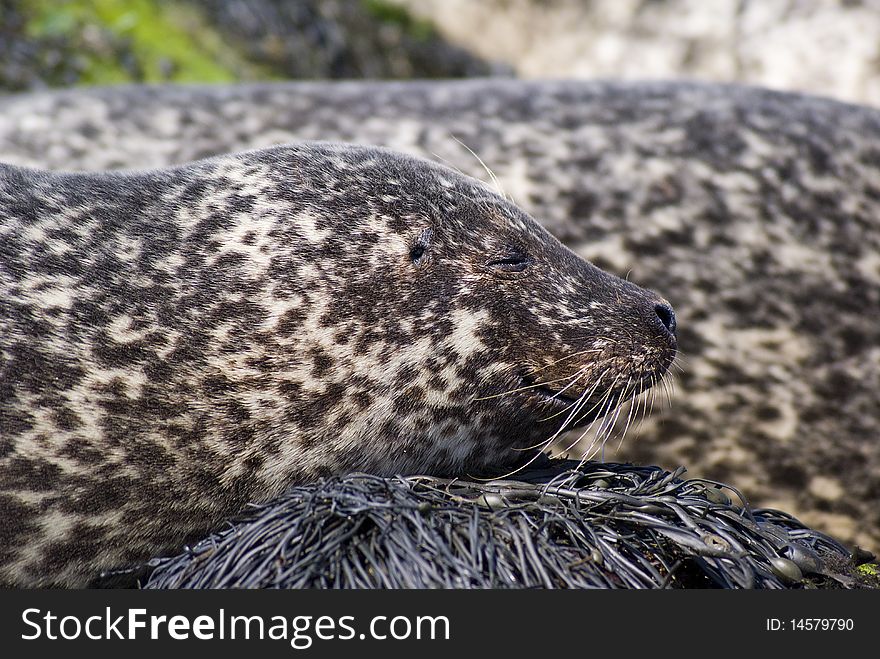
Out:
{"x": 666, "y": 315}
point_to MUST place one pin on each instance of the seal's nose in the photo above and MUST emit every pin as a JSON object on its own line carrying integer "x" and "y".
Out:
{"x": 666, "y": 315}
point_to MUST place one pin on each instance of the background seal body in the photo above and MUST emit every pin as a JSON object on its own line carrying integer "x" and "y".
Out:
{"x": 177, "y": 343}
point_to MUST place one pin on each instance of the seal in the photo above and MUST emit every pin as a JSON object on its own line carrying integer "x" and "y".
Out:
{"x": 177, "y": 343}
{"x": 757, "y": 209}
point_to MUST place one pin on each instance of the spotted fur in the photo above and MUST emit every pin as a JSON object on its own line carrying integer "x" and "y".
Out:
{"x": 755, "y": 212}
{"x": 179, "y": 342}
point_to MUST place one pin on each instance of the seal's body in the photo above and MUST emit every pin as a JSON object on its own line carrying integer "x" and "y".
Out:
{"x": 176, "y": 343}
{"x": 757, "y": 211}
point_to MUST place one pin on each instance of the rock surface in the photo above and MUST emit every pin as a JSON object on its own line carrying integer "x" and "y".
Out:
{"x": 827, "y": 47}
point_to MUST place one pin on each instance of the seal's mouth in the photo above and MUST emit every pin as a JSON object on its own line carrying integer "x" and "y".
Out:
{"x": 562, "y": 394}
{"x": 554, "y": 396}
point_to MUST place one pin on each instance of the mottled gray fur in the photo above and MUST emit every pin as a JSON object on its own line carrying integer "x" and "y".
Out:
{"x": 177, "y": 343}
{"x": 756, "y": 213}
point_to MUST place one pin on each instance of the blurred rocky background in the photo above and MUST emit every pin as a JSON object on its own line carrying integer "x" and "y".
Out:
{"x": 825, "y": 47}
{"x": 52, "y": 43}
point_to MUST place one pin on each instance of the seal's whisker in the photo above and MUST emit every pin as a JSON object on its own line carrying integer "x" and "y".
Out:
{"x": 577, "y": 406}
{"x": 458, "y": 169}
{"x": 650, "y": 398}
{"x": 566, "y": 423}
{"x": 629, "y": 418}
{"x": 577, "y": 376}
{"x": 610, "y": 422}
{"x": 653, "y": 398}
{"x": 638, "y": 404}
{"x": 633, "y": 417}
{"x": 667, "y": 384}
{"x": 567, "y": 357}
{"x": 574, "y": 406}
{"x": 604, "y": 400}
{"x": 525, "y": 388}
{"x": 672, "y": 382}
{"x": 513, "y": 472}
{"x": 681, "y": 356}
{"x": 491, "y": 174}
{"x": 542, "y": 443}
{"x": 581, "y": 437}
{"x": 592, "y": 449}
{"x": 604, "y": 431}
{"x": 641, "y": 407}
{"x": 609, "y": 426}
{"x": 585, "y": 431}
{"x": 577, "y": 403}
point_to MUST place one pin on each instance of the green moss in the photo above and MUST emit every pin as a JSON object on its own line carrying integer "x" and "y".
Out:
{"x": 143, "y": 40}
{"x": 868, "y": 575}
{"x": 388, "y": 12}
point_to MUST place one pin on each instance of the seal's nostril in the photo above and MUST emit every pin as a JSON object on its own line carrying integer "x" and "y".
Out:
{"x": 666, "y": 316}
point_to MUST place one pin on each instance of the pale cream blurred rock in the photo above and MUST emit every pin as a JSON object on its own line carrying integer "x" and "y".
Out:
{"x": 826, "y": 47}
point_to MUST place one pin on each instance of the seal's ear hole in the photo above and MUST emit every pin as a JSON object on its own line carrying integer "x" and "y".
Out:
{"x": 420, "y": 246}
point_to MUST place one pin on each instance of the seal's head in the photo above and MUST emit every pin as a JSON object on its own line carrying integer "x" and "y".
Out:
{"x": 459, "y": 331}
